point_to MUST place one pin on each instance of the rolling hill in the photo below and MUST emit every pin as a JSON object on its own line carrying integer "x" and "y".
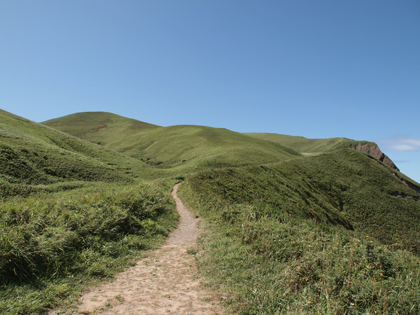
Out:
{"x": 305, "y": 145}
{"x": 183, "y": 147}
{"x": 322, "y": 194}
{"x": 317, "y": 146}
{"x": 293, "y": 225}
{"x": 33, "y": 155}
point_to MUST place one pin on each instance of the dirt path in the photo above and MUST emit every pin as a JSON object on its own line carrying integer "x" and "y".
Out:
{"x": 162, "y": 283}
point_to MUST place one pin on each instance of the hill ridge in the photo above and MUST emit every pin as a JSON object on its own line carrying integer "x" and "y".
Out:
{"x": 182, "y": 146}
{"x": 315, "y": 146}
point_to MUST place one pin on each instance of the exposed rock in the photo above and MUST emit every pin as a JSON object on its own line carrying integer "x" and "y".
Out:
{"x": 374, "y": 151}
{"x": 408, "y": 184}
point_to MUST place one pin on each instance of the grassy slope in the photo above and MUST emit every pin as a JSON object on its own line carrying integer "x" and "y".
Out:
{"x": 325, "y": 188}
{"x": 103, "y": 128}
{"x": 206, "y": 146}
{"x": 32, "y": 154}
{"x": 264, "y": 251}
{"x": 183, "y": 147}
{"x": 305, "y": 145}
{"x": 72, "y": 212}
{"x": 284, "y": 233}
{"x": 54, "y": 245}
{"x": 344, "y": 187}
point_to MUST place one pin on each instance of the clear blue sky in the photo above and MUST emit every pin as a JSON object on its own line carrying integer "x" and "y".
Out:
{"x": 317, "y": 69}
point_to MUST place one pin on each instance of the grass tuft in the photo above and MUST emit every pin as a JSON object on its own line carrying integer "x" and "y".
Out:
{"x": 82, "y": 235}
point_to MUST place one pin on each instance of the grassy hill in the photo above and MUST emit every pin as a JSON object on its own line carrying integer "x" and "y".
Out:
{"x": 71, "y": 212}
{"x": 343, "y": 187}
{"x": 183, "y": 147}
{"x": 99, "y": 127}
{"x": 293, "y": 225}
{"x": 339, "y": 186}
{"x": 308, "y": 146}
{"x": 33, "y": 155}
{"x": 328, "y": 234}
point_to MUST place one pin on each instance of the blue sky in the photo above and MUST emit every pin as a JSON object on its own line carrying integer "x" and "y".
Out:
{"x": 317, "y": 69}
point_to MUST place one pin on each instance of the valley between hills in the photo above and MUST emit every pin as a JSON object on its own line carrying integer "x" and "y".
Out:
{"x": 289, "y": 225}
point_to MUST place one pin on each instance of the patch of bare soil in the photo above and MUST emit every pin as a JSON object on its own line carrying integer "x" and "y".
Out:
{"x": 162, "y": 283}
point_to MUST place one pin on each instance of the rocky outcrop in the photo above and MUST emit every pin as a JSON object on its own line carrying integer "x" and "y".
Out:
{"x": 374, "y": 151}
{"x": 408, "y": 184}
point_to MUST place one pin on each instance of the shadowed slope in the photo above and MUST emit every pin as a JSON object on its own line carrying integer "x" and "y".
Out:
{"x": 277, "y": 242}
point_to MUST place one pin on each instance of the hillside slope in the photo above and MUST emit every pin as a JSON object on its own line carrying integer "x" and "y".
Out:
{"x": 32, "y": 154}
{"x": 72, "y": 212}
{"x": 343, "y": 187}
{"x": 335, "y": 233}
{"x": 295, "y": 225}
{"x": 317, "y": 146}
{"x": 102, "y": 128}
{"x": 186, "y": 147}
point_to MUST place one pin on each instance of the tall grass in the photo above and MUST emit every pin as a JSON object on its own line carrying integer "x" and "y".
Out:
{"x": 328, "y": 234}
{"x": 88, "y": 233}
{"x": 344, "y": 187}
{"x": 292, "y": 267}
{"x": 282, "y": 241}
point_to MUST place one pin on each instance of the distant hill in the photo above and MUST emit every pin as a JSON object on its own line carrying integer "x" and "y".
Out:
{"x": 184, "y": 147}
{"x": 99, "y": 127}
{"x": 187, "y": 147}
{"x": 317, "y": 146}
{"x": 305, "y": 145}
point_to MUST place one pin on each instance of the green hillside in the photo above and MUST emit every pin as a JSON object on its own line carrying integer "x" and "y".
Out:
{"x": 343, "y": 187}
{"x": 32, "y": 154}
{"x": 99, "y": 127}
{"x": 72, "y": 212}
{"x": 206, "y": 146}
{"x": 291, "y": 225}
{"x": 328, "y": 234}
{"x": 305, "y": 145}
{"x": 184, "y": 147}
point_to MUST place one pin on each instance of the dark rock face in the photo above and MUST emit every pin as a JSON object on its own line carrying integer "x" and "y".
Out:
{"x": 374, "y": 151}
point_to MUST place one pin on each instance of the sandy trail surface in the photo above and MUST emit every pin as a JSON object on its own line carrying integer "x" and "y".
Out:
{"x": 162, "y": 283}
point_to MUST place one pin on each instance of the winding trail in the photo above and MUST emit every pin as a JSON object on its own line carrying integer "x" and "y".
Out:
{"x": 162, "y": 283}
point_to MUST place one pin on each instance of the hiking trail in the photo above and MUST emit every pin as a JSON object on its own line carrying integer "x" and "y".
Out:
{"x": 164, "y": 282}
